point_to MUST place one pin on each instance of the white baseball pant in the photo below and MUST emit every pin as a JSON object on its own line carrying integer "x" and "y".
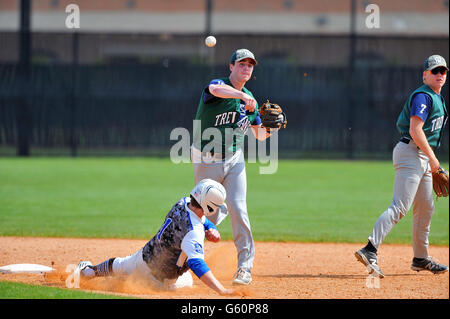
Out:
{"x": 135, "y": 264}
{"x": 413, "y": 186}
{"x": 230, "y": 172}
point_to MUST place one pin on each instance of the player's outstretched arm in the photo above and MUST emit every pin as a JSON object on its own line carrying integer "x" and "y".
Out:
{"x": 202, "y": 271}
{"x": 225, "y": 91}
{"x": 210, "y": 280}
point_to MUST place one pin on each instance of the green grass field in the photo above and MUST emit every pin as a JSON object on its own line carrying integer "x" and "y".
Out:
{"x": 305, "y": 201}
{"x": 314, "y": 201}
{"x": 14, "y": 290}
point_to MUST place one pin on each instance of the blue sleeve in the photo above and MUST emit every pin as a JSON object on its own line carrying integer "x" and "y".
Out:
{"x": 207, "y": 96}
{"x": 198, "y": 266}
{"x": 257, "y": 120}
{"x": 209, "y": 224}
{"x": 421, "y": 105}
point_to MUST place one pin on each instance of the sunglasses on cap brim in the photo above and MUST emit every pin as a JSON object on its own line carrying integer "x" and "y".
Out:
{"x": 440, "y": 70}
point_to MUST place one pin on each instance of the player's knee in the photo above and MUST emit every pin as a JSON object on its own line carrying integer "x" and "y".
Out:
{"x": 428, "y": 207}
{"x": 123, "y": 266}
{"x": 400, "y": 209}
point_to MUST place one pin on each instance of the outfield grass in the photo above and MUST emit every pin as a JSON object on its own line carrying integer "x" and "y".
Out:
{"x": 315, "y": 201}
{"x": 14, "y": 290}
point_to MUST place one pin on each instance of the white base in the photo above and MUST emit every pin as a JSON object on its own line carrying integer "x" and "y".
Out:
{"x": 25, "y": 269}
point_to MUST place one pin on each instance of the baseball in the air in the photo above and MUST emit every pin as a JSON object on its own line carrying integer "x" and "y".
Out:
{"x": 210, "y": 41}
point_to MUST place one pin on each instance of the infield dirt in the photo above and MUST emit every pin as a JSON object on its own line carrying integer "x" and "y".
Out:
{"x": 281, "y": 270}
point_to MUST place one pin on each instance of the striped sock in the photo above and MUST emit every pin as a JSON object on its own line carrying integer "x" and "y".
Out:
{"x": 105, "y": 268}
{"x": 88, "y": 272}
{"x": 371, "y": 248}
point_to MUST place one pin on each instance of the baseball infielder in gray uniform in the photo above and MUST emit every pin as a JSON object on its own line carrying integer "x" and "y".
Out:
{"x": 227, "y": 106}
{"x": 420, "y": 124}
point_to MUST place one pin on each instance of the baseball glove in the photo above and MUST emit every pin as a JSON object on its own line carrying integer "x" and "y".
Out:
{"x": 272, "y": 116}
{"x": 440, "y": 182}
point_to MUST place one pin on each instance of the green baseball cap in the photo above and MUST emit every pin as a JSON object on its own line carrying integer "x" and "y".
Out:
{"x": 434, "y": 61}
{"x": 242, "y": 54}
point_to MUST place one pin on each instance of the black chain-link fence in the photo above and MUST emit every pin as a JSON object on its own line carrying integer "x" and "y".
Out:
{"x": 123, "y": 94}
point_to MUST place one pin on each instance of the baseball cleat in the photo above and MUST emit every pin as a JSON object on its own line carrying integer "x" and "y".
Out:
{"x": 243, "y": 276}
{"x": 429, "y": 265}
{"x": 83, "y": 267}
{"x": 369, "y": 260}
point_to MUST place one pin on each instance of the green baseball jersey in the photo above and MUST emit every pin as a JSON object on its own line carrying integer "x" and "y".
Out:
{"x": 228, "y": 116}
{"x": 435, "y": 121}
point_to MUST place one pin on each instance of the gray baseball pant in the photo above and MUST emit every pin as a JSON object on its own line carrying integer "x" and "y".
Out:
{"x": 413, "y": 186}
{"x": 231, "y": 174}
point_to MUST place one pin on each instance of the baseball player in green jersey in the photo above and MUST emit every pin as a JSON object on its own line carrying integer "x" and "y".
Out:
{"x": 225, "y": 113}
{"x": 420, "y": 124}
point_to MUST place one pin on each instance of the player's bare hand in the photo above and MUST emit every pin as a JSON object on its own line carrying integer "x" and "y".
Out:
{"x": 434, "y": 165}
{"x": 250, "y": 103}
{"x": 230, "y": 292}
{"x": 212, "y": 235}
